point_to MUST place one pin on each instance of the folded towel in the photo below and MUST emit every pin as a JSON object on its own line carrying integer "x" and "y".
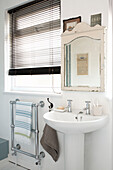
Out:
{"x": 49, "y": 141}
{"x": 23, "y": 118}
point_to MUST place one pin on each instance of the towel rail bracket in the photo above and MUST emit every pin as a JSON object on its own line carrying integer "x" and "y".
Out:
{"x": 41, "y": 155}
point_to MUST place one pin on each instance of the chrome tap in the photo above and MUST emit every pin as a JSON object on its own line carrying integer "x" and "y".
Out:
{"x": 69, "y": 106}
{"x": 87, "y": 108}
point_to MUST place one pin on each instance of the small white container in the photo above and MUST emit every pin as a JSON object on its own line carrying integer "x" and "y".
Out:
{"x": 97, "y": 110}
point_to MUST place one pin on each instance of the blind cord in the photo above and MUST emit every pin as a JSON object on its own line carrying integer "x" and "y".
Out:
{"x": 53, "y": 86}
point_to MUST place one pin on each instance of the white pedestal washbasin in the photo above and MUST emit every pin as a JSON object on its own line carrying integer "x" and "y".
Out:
{"x": 74, "y": 131}
{"x": 68, "y": 124}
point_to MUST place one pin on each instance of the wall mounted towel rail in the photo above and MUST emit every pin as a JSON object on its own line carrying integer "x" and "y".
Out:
{"x": 38, "y": 156}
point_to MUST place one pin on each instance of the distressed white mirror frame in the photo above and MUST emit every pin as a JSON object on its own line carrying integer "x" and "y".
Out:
{"x": 80, "y": 30}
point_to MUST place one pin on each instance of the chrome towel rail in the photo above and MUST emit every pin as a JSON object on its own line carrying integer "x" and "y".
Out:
{"x": 38, "y": 156}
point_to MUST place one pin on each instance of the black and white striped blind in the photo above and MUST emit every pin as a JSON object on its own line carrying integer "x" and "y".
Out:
{"x": 35, "y": 43}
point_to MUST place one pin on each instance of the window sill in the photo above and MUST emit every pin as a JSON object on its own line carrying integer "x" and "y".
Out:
{"x": 33, "y": 93}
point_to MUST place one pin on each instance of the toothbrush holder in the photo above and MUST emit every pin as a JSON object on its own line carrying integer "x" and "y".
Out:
{"x": 97, "y": 110}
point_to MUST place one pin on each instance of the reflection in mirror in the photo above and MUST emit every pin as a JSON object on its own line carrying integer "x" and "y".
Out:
{"x": 83, "y": 62}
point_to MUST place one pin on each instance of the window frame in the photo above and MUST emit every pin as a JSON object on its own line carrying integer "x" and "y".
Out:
{"x": 9, "y": 83}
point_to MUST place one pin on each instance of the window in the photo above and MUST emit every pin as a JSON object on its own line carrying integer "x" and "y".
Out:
{"x": 35, "y": 44}
{"x": 37, "y": 83}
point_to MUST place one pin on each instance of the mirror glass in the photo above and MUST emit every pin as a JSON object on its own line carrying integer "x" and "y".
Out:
{"x": 82, "y": 62}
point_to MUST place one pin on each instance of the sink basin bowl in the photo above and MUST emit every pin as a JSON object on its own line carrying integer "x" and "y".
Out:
{"x": 68, "y": 124}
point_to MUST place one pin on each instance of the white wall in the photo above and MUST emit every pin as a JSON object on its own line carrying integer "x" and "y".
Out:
{"x": 98, "y": 144}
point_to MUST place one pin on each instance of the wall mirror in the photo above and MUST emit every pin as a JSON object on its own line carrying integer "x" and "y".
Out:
{"x": 83, "y": 58}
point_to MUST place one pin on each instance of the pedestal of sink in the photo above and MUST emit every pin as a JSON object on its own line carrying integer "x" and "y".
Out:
{"x": 74, "y": 152}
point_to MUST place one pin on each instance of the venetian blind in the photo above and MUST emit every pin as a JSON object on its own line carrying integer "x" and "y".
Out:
{"x": 35, "y": 46}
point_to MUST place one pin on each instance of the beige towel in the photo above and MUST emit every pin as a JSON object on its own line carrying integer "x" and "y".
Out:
{"x": 49, "y": 141}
